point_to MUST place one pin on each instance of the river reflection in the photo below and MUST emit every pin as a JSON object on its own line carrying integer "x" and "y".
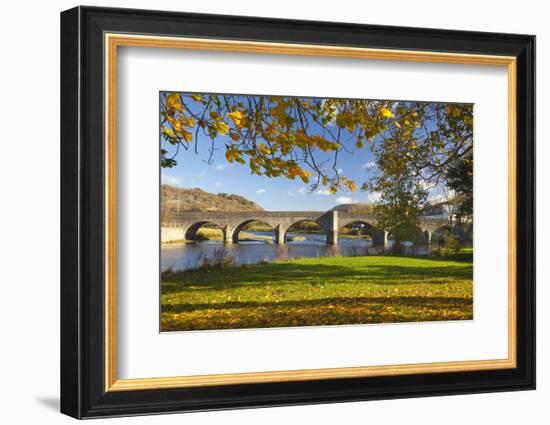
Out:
{"x": 186, "y": 256}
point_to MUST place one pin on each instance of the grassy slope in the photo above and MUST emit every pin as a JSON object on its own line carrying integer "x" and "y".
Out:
{"x": 323, "y": 291}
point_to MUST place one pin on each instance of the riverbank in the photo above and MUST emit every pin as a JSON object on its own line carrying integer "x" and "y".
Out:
{"x": 319, "y": 291}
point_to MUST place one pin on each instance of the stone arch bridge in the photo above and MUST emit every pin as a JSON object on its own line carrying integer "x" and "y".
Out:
{"x": 184, "y": 225}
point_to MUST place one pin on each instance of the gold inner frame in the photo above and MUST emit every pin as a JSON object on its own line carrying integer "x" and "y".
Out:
{"x": 113, "y": 41}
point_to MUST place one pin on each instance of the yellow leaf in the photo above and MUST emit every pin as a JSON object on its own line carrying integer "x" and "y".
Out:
{"x": 351, "y": 185}
{"x": 322, "y": 143}
{"x": 232, "y": 155}
{"x": 168, "y": 132}
{"x": 333, "y": 190}
{"x": 386, "y": 112}
{"x": 221, "y": 126}
{"x": 345, "y": 120}
{"x": 264, "y": 149}
{"x": 197, "y": 97}
{"x": 237, "y": 117}
{"x": 187, "y": 136}
{"x": 187, "y": 121}
{"x": 235, "y": 136}
{"x": 305, "y": 176}
{"x": 173, "y": 102}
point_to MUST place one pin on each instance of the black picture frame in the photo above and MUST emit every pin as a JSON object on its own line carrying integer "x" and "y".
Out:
{"x": 83, "y": 392}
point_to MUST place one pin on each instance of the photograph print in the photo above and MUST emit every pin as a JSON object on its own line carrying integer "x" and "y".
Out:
{"x": 286, "y": 211}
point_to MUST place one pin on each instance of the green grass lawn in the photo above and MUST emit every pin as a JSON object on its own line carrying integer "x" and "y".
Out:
{"x": 319, "y": 291}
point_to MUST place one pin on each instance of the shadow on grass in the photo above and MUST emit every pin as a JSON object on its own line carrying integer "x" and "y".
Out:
{"x": 431, "y": 303}
{"x": 278, "y": 273}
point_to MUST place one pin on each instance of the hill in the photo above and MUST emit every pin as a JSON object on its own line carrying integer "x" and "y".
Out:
{"x": 175, "y": 198}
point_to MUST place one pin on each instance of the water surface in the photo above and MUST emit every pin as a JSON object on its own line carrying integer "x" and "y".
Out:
{"x": 187, "y": 256}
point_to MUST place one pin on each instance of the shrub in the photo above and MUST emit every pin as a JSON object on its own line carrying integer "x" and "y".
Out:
{"x": 167, "y": 274}
{"x": 356, "y": 251}
{"x": 436, "y": 251}
{"x": 469, "y": 234}
{"x": 219, "y": 258}
{"x": 397, "y": 248}
{"x": 451, "y": 244}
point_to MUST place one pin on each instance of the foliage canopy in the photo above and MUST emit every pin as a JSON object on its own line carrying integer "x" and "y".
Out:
{"x": 301, "y": 138}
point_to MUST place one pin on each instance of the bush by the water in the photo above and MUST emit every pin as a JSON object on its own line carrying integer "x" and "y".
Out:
{"x": 219, "y": 258}
{"x": 397, "y": 248}
{"x": 451, "y": 245}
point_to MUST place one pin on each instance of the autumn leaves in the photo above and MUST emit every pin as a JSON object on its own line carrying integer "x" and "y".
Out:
{"x": 276, "y": 136}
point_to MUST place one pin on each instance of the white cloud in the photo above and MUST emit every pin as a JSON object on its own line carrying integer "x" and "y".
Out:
{"x": 202, "y": 174}
{"x": 322, "y": 192}
{"x": 260, "y": 191}
{"x": 426, "y": 185}
{"x": 367, "y": 165}
{"x": 374, "y": 197}
{"x": 346, "y": 200}
{"x": 296, "y": 191}
{"x": 221, "y": 167}
{"x": 171, "y": 180}
{"x": 429, "y": 186}
{"x": 340, "y": 171}
{"x": 218, "y": 184}
{"x": 437, "y": 197}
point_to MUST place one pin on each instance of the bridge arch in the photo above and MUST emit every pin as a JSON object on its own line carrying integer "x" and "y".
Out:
{"x": 190, "y": 233}
{"x": 376, "y": 235}
{"x": 243, "y": 226}
{"x": 314, "y": 229}
{"x": 438, "y": 235}
{"x": 418, "y": 236}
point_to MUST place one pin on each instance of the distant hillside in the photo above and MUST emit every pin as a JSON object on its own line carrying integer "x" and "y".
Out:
{"x": 355, "y": 208}
{"x": 174, "y": 198}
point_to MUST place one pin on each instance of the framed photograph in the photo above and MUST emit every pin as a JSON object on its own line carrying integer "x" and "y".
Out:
{"x": 261, "y": 212}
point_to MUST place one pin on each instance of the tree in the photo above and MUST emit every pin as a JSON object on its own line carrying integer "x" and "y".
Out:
{"x": 417, "y": 150}
{"x": 401, "y": 190}
{"x": 445, "y": 136}
{"x": 301, "y": 138}
{"x": 276, "y": 136}
{"x": 460, "y": 178}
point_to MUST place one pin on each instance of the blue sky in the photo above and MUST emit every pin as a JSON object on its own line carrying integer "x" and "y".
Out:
{"x": 274, "y": 194}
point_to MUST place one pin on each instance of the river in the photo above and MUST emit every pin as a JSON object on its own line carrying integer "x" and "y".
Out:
{"x": 187, "y": 256}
